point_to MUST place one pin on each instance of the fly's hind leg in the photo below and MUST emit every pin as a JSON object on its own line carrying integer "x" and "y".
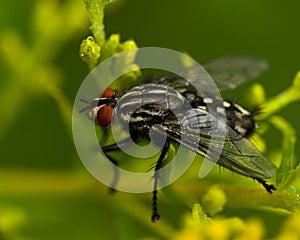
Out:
{"x": 269, "y": 187}
{"x": 159, "y": 164}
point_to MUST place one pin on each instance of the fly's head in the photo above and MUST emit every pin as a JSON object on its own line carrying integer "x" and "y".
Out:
{"x": 102, "y": 109}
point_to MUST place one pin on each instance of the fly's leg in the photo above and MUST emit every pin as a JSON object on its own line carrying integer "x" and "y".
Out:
{"x": 115, "y": 180}
{"x": 159, "y": 164}
{"x": 269, "y": 187}
{"x": 111, "y": 148}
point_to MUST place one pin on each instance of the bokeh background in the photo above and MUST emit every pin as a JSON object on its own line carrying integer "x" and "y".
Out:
{"x": 45, "y": 191}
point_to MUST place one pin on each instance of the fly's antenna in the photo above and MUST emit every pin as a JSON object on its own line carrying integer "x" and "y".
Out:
{"x": 85, "y": 108}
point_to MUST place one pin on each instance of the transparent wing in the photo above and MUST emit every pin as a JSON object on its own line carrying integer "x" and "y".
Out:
{"x": 231, "y": 71}
{"x": 236, "y": 153}
{"x": 227, "y": 72}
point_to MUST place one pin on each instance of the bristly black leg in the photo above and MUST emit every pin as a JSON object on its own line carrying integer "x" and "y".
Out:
{"x": 115, "y": 180}
{"x": 111, "y": 148}
{"x": 117, "y": 146}
{"x": 159, "y": 164}
{"x": 269, "y": 187}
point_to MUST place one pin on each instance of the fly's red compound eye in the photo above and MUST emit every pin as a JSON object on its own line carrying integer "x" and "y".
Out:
{"x": 104, "y": 116}
{"x": 105, "y": 113}
{"x": 108, "y": 92}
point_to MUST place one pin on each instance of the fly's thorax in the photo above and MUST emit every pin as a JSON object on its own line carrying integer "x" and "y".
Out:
{"x": 148, "y": 104}
{"x": 149, "y": 117}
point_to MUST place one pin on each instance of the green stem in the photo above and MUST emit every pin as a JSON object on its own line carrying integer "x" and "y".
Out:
{"x": 244, "y": 197}
{"x": 288, "y": 163}
{"x": 275, "y": 104}
{"x": 95, "y": 9}
{"x": 64, "y": 106}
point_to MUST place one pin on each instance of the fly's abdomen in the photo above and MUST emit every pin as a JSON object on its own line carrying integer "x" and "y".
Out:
{"x": 238, "y": 118}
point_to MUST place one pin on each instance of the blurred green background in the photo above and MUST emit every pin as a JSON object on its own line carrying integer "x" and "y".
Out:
{"x": 45, "y": 191}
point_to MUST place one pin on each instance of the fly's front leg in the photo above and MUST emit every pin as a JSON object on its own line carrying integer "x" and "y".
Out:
{"x": 111, "y": 148}
{"x": 159, "y": 164}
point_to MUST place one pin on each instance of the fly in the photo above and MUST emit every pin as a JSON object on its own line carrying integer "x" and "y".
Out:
{"x": 193, "y": 131}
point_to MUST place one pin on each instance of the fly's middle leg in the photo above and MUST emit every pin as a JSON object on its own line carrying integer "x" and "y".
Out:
{"x": 159, "y": 164}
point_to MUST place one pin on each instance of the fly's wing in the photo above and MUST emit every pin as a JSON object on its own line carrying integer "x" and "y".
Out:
{"x": 195, "y": 131}
{"x": 227, "y": 73}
